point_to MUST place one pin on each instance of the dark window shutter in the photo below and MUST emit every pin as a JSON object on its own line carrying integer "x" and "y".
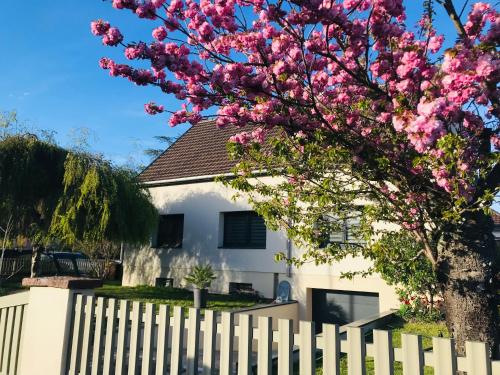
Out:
{"x": 244, "y": 229}
{"x": 257, "y": 231}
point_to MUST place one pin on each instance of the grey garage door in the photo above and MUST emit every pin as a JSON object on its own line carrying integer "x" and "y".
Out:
{"x": 342, "y": 307}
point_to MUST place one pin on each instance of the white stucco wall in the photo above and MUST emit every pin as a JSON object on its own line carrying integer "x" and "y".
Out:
{"x": 202, "y": 204}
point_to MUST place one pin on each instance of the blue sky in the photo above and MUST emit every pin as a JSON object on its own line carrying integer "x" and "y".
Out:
{"x": 49, "y": 74}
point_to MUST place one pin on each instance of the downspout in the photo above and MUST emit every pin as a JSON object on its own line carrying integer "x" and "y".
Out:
{"x": 288, "y": 255}
{"x": 121, "y": 253}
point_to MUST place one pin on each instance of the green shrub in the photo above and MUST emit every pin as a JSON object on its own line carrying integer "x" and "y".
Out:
{"x": 201, "y": 277}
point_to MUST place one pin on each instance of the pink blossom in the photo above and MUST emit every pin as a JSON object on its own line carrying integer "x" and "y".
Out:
{"x": 157, "y": 3}
{"x": 206, "y": 31}
{"x": 430, "y": 108}
{"x": 153, "y": 109}
{"x": 105, "y": 63}
{"x": 124, "y": 4}
{"x": 112, "y": 37}
{"x": 495, "y": 141}
{"x": 146, "y": 10}
{"x": 258, "y": 135}
{"x": 99, "y": 27}
{"x": 486, "y": 65}
{"x": 442, "y": 177}
{"x": 279, "y": 68}
{"x": 309, "y": 66}
{"x": 241, "y": 138}
{"x": 435, "y": 43}
{"x": 160, "y": 33}
{"x": 134, "y": 52}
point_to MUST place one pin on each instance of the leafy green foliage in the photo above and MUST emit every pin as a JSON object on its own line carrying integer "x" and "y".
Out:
{"x": 31, "y": 173}
{"x": 399, "y": 259}
{"x": 102, "y": 203}
{"x": 318, "y": 187}
{"x": 201, "y": 277}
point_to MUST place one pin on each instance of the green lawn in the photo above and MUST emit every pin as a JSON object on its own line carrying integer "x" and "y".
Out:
{"x": 426, "y": 330}
{"x": 175, "y": 297}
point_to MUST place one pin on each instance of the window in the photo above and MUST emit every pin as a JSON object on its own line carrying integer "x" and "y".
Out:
{"x": 170, "y": 231}
{"x": 244, "y": 229}
{"x": 348, "y": 233}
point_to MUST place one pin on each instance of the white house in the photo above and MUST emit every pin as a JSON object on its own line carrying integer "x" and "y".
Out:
{"x": 200, "y": 222}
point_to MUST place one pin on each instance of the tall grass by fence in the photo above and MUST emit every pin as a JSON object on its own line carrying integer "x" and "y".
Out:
{"x": 110, "y": 336}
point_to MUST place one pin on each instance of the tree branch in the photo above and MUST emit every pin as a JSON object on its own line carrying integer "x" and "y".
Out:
{"x": 455, "y": 18}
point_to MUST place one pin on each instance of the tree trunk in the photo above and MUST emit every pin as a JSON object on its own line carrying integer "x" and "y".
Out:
{"x": 466, "y": 271}
{"x": 35, "y": 260}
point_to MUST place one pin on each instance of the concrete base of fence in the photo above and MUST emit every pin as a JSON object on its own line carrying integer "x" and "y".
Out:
{"x": 47, "y": 324}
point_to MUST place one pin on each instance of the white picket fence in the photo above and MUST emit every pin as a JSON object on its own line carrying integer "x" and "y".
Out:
{"x": 12, "y": 309}
{"x": 120, "y": 337}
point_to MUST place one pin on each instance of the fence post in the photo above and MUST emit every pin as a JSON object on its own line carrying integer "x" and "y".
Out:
{"x": 47, "y": 325}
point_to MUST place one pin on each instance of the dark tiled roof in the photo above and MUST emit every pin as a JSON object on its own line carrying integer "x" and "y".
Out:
{"x": 200, "y": 151}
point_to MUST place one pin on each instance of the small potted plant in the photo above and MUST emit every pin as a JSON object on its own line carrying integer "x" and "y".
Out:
{"x": 201, "y": 278}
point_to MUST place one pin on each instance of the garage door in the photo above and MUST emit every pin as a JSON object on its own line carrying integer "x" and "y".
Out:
{"x": 342, "y": 307}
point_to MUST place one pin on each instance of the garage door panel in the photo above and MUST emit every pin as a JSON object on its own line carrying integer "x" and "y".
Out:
{"x": 342, "y": 307}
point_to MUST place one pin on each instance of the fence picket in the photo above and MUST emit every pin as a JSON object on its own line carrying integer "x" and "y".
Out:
{"x": 75, "y": 342}
{"x": 87, "y": 332}
{"x": 413, "y": 354}
{"x": 245, "y": 341}
{"x": 162, "y": 339}
{"x": 107, "y": 364}
{"x": 177, "y": 341}
{"x": 445, "y": 359}
{"x": 100, "y": 315}
{"x": 307, "y": 345}
{"x": 133, "y": 356}
{"x": 495, "y": 367}
{"x": 209, "y": 342}
{"x": 478, "y": 362}
{"x": 331, "y": 349}
{"x": 285, "y": 347}
{"x": 193, "y": 342}
{"x": 148, "y": 340}
{"x": 16, "y": 336}
{"x": 121, "y": 342}
{"x": 356, "y": 352}
{"x": 226, "y": 345}
{"x": 3, "y": 326}
{"x": 265, "y": 345}
{"x": 8, "y": 340}
{"x": 383, "y": 355}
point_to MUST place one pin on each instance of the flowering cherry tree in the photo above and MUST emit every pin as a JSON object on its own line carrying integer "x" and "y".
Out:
{"x": 356, "y": 110}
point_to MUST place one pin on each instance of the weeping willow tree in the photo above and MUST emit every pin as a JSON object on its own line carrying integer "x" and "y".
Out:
{"x": 52, "y": 196}
{"x": 31, "y": 172}
{"x": 101, "y": 207}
